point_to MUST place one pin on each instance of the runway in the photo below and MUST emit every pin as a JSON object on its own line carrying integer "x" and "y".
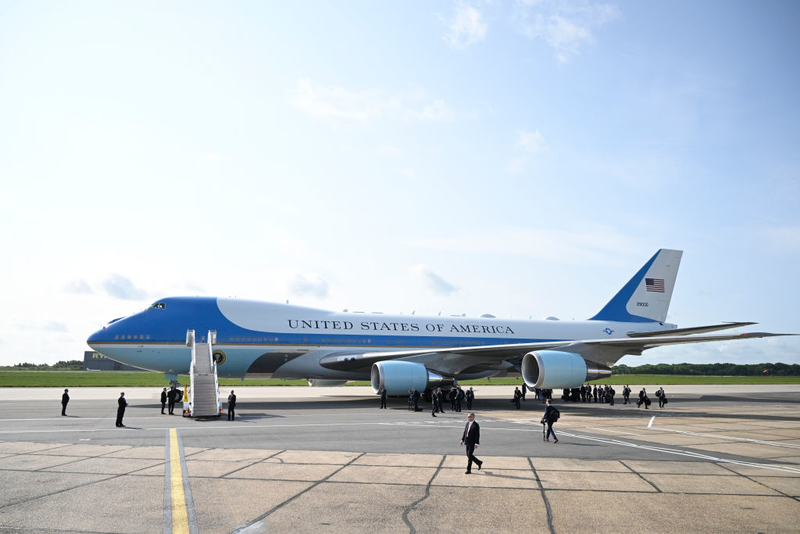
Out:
{"x": 328, "y": 460}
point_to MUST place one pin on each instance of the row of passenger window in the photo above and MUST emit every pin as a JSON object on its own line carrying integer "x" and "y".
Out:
{"x": 331, "y": 341}
{"x": 461, "y": 342}
{"x": 253, "y": 339}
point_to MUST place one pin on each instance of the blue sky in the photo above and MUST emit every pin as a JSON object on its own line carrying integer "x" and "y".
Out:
{"x": 516, "y": 158}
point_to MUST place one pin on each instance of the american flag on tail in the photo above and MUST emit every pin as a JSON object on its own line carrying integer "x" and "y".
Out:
{"x": 654, "y": 285}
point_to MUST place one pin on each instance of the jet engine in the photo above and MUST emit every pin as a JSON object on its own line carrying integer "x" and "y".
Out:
{"x": 552, "y": 369}
{"x": 399, "y": 377}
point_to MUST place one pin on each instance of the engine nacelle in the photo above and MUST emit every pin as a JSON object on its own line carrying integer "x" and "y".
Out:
{"x": 399, "y": 377}
{"x": 314, "y": 383}
{"x": 552, "y": 369}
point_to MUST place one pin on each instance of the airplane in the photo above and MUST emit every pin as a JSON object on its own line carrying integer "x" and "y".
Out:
{"x": 398, "y": 352}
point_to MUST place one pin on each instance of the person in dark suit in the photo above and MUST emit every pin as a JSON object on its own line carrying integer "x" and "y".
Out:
{"x": 472, "y": 439}
{"x": 643, "y": 400}
{"x": 415, "y": 399}
{"x": 470, "y": 397}
{"x": 171, "y": 399}
{"x": 662, "y": 397}
{"x": 383, "y": 397}
{"x": 231, "y": 406}
{"x": 163, "y": 400}
{"x": 549, "y": 418}
{"x": 64, "y": 402}
{"x": 440, "y": 394}
{"x": 121, "y": 405}
{"x": 517, "y": 397}
{"x": 434, "y": 403}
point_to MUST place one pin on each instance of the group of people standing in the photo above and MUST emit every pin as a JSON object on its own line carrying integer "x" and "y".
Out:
{"x": 456, "y": 395}
{"x": 170, "y": 398}
{"x": 587, "y": 393}
{"x": 603, "y": 393}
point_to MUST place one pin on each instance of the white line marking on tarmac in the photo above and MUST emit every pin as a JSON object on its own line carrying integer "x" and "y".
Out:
{"x": 613, "y": 431}
{"x": 732, "y": 438}
{"x": 650, "y": 424}
{"x": 783, "y": 468}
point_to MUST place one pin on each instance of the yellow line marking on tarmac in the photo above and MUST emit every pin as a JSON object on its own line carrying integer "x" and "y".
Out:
{"x": 180, "y": 515}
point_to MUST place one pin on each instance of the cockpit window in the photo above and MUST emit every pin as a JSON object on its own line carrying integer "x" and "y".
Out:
{"x": 158, "y": 305}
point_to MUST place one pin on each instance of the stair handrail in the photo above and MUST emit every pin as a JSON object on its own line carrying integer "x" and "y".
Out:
{"x": 212, "y": 338}
{"x": 190, "y": 340}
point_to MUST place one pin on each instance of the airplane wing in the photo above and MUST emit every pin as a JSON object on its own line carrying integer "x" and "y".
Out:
{"x": 691, "y": 330}
{"x": 453, "y": 360}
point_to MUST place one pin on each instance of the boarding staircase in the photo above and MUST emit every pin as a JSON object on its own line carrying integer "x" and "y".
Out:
{"x": 204, "y": 390}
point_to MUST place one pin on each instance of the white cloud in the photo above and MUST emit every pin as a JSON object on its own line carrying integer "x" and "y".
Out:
{"x": 564, "y": 26}
{"x": 121, "y": 287}
{"x": 309, "y": 285}
{"x": 78, "y": 287}
{"x": 434, "y": 282}
{"x": 466, "y": 28}
{"x": 436, "y": 111}
{"x": 531, "y": 141}
{"x": 336, "y": 103}
{"x": 367, "y": 106}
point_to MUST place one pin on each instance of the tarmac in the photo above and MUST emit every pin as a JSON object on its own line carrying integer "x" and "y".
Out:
{"x": 716, "y": 458}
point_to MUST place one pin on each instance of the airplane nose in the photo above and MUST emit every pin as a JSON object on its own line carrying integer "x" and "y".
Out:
{"x": 103, "y": 335}
{"x": 97, "y": 337}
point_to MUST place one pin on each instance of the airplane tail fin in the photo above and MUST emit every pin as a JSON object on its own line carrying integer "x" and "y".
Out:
{"x": 646, "y": 296}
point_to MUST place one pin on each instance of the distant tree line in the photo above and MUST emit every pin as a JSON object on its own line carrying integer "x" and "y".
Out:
{"x": 70, "y": 365}
{"x": 711, "y": 369}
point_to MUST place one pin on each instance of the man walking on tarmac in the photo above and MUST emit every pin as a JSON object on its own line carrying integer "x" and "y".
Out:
{"x": 551, "y": 415}
{"x": 471, "y": 438}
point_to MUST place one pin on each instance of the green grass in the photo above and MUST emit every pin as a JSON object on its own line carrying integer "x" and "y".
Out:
{"x": 66, "y": 379}
{"x": 672, "y": 380}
